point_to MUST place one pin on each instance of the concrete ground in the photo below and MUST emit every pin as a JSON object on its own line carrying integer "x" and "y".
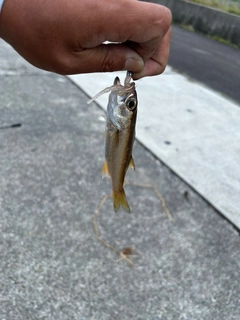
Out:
{"x": 52, "y": 266}
{"x": 192, "y": 129}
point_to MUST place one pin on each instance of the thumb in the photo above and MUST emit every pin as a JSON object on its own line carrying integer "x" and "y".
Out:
{"x": 103, "y": 58}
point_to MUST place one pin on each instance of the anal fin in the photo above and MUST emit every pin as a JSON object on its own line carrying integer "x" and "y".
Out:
{"x": 105, "y": 171}
{"x": 131, "y": 164}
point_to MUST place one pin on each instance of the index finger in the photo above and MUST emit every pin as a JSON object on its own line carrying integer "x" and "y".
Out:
{"x": 155, "y": 24}
{"x": 156, "y": 64}
{"x": 128, "y": 20}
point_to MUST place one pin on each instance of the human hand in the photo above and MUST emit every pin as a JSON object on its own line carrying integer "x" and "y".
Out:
{"x": 66, "y": 36}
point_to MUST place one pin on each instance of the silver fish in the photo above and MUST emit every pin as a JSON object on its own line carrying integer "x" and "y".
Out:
{"x": 119, "y": 136}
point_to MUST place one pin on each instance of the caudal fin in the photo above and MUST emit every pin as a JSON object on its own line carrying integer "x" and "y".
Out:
{"x": 119, "y": 199}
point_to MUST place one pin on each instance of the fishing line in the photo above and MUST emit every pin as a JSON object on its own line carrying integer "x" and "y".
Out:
{"x": 127, "y": 251}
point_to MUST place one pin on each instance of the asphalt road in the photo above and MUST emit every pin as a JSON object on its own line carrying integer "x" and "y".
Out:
{"x": 213, "y": 63}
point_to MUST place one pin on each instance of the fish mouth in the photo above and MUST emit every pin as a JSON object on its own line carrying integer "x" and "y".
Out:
{"x": 127, "y": 89}
{"x": 118, "y": 87}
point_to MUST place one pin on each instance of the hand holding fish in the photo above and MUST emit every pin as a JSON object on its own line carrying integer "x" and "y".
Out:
{"x": 68, "y": 37}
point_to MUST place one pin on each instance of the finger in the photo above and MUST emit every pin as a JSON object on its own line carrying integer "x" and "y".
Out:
{"x": 157, "y": 63}
{"x": 120, "y": 22}
{"x": 142, "y": 26}
{"x": 143, "y": 32}
{"x": 140, "y": 23}
{"x": 103, "y": 58}
{"x": 151, "y": 39}
{"x": 134, "y": 21}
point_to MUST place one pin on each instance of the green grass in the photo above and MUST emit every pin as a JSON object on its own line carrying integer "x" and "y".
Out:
{"x": 231, "y": 6}
{"x": 219, "y": 39}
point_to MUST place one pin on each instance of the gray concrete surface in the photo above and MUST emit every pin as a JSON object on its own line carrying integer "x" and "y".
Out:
{"x": 193, "y": 129}
{"x": 205, "y": 19}
{"x": 51, "y": 265}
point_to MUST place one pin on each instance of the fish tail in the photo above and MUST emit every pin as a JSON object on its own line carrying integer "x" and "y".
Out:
{"x": 119, "y": 199}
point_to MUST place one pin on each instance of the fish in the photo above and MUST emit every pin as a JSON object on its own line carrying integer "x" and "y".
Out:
{"x": 119, "y": 136}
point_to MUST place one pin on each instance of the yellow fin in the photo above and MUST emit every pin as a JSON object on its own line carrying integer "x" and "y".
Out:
{"x": 119, "y": 199}
{"x": 131, "y": 164}
{"x": 105, "y": 171}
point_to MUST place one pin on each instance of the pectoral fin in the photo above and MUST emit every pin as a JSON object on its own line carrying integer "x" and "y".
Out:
{"x": 119, "y": 199}
{"x": 105, "y": 171}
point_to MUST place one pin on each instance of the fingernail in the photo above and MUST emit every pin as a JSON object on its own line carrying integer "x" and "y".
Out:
{"x": 134, "y": 64}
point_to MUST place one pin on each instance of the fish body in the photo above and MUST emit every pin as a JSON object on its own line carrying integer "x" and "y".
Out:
{"x": 119, "y": 136}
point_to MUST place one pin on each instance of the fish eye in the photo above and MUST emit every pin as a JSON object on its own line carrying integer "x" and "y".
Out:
{"x": 131, "y": 103}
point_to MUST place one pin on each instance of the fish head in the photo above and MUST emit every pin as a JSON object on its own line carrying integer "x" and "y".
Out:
{"x": 122, "y": 106}
{"x": 127, "y": 101}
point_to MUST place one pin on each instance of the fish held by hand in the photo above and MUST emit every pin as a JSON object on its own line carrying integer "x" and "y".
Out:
{"x": 119, "y": 136}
